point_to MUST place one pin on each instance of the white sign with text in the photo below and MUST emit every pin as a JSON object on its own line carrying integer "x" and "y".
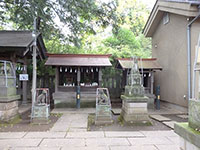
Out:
{"x": 23, "y": 77}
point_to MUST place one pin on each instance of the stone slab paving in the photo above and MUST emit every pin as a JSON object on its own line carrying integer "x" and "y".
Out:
{"x": 12, "y": 135}
{"x": 62, "y": 143}
{"x": 107, "y": 142}
{"x": 35, "y": 148}
{"x": 86, "y": 148}
{"x": 169, "y": 133}
{"x": 168, "y": 147}
{"x": 170, "y": 124}
{"x": 77, "y": 129}
{"x": 125, "y": 134}
{"x": 96, "y": 134}
{"x": 33, "y": 135}
{"x": 70, "y": 133}
{"x": 150, "y": 141}
{"x": 6, "y": 143}
{"x": 144, "y": 147}
{"x": 68, "y": 121}
{"x": 160, "y": 118}
{"x": 183, "y": 116}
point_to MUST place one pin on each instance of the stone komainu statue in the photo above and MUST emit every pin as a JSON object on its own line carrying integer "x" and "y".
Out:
{"x": 41, "y": 99}
{"x": 103, "y": 98}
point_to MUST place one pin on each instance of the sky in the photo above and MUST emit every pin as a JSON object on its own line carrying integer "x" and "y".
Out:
{"x": 150, "y": 3}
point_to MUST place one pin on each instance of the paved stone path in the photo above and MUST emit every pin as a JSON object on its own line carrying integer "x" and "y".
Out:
{"x": 70, "y": 133}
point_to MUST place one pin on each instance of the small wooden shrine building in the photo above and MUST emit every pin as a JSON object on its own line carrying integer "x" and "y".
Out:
{"x": 72, "y": 70}
{"x": 147, "y": 66}
{"x": 15, "y": 47}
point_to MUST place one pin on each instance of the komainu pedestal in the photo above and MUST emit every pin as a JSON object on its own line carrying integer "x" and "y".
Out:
{"x": 103, "y": 107}
{"x": 134, "y": 103}
{"x": 189, "y": 132}
{"x": 8, "y": 97}
{"x": 41, "y": 108}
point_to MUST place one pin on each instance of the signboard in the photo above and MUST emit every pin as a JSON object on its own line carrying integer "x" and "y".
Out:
{"x": 23, "y": 77}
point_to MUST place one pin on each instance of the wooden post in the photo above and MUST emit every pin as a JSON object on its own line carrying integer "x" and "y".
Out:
{"x": 152, "y": 81}
{"x": 24, "y": 100}
{"x": 100, "y": 77}
{"x": 78, "y": 76}
{"x": 124, "y": 78}
{"x": 57, "y": 79}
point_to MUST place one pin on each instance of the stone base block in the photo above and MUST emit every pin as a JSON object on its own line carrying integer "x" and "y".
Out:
{"x": 7, "y": 99}
{"x": 139, "y": 110}
{"x": 135, "y": 112}
{"x": 135, "y": 118}
{"x": 134, "y": 108}
{"x": 7, "y": 91}
{"x": 194, "y": 115}
{"x": 8, "y": 110}
{"x": 103, "y": 120}
{"x": 41, "y": 111}
{"x": 186, "y": 145}
{"x": 134, "y": 98}
{"x": 40, "y": 121}
{"x": 189, "y": 138}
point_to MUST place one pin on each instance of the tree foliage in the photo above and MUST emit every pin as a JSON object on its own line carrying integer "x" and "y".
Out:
{"x": 129, "y": 40}
{"x": 88, "y": 24}
{"x": 78, "y": 17}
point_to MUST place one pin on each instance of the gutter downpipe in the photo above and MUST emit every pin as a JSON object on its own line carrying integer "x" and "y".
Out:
{"x": 189, "y": 52}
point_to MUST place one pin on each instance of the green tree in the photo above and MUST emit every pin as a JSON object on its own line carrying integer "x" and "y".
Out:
{"x": 78, "y": 16}
{"x": 128, "y": 40}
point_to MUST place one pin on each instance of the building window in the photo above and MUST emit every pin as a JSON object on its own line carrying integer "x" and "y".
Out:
{"x": 166, "y": 18}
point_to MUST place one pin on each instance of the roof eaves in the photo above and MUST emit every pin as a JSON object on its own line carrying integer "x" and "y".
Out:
{"x": 163, "y": 6}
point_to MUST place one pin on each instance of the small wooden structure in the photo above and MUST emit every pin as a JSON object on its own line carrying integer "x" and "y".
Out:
{"x": 72, "y": 70}
{"x": 16, "y": 47}
{"x": 147, "y": 67}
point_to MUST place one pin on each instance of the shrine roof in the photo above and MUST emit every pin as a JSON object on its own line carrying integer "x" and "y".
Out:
{"x": 145, "y": 63}
{"x": 78, "y": 60}
{"x": 20, "y": 41}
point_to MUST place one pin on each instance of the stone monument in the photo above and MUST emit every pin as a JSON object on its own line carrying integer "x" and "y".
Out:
{"x": 189, "y": 132}
{"x": 41, "y": 108}
{"x": 8, "y": 97}
{"x": 103, "y": 107}
{"x": 134, "y": 103}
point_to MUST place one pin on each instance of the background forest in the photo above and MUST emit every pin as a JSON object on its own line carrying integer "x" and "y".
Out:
{"x": 83, "y": 26}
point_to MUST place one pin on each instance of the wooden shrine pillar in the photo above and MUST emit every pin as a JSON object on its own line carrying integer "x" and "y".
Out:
{"x": 152, "y": 81}
{"x": 56, "y": 79}
{"x": 78, "y": 76}
{"x": 100, "y": 77}
{"x": 124, "y": 78}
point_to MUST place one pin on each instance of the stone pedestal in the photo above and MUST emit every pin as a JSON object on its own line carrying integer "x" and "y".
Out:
{"x": 103, "y": 107}
{"x": 190, "y": 132}
{"x": 8, "y": 103}
{"x": 103, "y": 115}
{"x": 134, "y": 110}
{"x": 41, "y": 114}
